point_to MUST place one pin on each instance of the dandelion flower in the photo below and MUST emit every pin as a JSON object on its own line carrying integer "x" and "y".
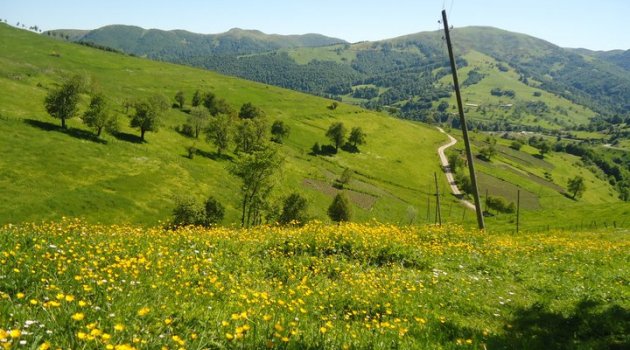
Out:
{"x": 78, "y": 316}
{"x": 142, "y": 312}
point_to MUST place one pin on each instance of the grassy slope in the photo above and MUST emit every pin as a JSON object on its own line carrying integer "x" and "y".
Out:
{"x": 480, "y": 94}
{"x": 48, "y": 174}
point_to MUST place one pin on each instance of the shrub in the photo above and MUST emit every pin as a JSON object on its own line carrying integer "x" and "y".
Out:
{"x": 187, "y": 212}
{"x": 214, "y": 212}
{"x": 294, "y": 210}
{"x": 339, "y": 209}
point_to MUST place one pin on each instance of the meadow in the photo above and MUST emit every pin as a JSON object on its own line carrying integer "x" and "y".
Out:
{"x": 72, "y": 285}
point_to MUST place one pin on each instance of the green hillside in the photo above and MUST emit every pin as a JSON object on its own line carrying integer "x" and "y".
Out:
{"x": 46, "y": 173}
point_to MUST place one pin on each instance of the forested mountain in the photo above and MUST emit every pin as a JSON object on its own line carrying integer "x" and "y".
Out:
{"x": 617, "y": 57}
{"x": 177, "y": 44}
{"x": 407, "y": 75}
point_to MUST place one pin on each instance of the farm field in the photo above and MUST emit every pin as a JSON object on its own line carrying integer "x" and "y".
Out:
{"x": 355, "y": 286}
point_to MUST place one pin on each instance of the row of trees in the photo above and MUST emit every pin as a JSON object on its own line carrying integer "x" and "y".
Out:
{"x": 63, "y": 103}
{"x": 294, "y": 211}
{"x": 337, "y": 133}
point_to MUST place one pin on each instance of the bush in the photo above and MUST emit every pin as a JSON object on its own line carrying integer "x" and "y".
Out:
{"x": 516, "y": 145}
{"x": 214, "y": 212}
{"x": 294, "y": 210}
{"x": 187, "y": 212}
{"x": 316, "y": 149}
{"x": 500, "y": 205}
{"x": 339, "y": 209}
{"x": 344, "y": 179}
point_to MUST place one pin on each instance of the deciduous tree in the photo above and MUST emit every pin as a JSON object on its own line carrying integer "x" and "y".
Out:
{"x": 62, "y": 102}
{"x": 256, "y": 172}
{"x": 219, "y": 132}
{"x": 337, "y": 134}
{"x": 198, "y": 120}
{"x": 357, "y": 136}
{"x": 279, "y": 130}
{"x": 148, "y": 114}
{"x": 576, "y": 186}
{"x": 97, "y": 116}
{"x": 179, "y": 97}
{"x": 251, "y": 135}
{"x": 249, "y": 111}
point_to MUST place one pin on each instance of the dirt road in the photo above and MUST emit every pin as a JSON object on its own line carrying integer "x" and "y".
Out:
{"x": 447, "y": 170}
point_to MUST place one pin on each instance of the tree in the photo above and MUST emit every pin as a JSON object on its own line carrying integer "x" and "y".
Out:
{"x": 316, "y": 149}
{"x": 179, "y": 97}
{"x": 251, "y": 135}
{"x": 488, "y": 152}
{"x": 499, "y": 204}
{"x": 337, "y": 134}
{"x": 345, "y": 178}
{"x": 148, "y": 114}
{"x": 256, "y": 172}
{"x": 455, "y": 161}
{"x": 214, "y": 212}
{"x": 187, "y": 212}
{"x": 216, "y": 105}
{"x": 62, "y": 103}
{"x": 357, "y": 136}
{"x": 339, "y": 209}
{"x": 219, "y": 132}
{"x": 196, "y": 99}
{"x": 249, "y": 111}
{"x": 516, "y": 145}
{"x": 294, "y": 210}
{"x": 544, "y": 148}
{"x": 279, "y": 131}
{"x": 97, "y": 115}
{"x": 576, "y": 186}
{"x": 197, "y": 120}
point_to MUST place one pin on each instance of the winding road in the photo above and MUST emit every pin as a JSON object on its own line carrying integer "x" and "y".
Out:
{"x": 447, "y": 170}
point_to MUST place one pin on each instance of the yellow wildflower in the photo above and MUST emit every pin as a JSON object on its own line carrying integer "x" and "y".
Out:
{"x": 143, "y": 311}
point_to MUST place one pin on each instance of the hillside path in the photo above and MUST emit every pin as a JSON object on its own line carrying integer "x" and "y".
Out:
{"x": 447, "y": 170}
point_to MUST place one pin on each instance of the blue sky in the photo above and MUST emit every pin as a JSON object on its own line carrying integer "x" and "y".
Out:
{"x": 592, "y": 24}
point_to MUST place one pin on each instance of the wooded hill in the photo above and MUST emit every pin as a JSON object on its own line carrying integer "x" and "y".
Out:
{"x": 402, "y": 74}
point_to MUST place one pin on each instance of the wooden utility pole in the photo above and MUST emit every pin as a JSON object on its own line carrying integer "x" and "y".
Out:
{"x": 438, "y": 214}
{"x": 518, "y": 208}
{"x": 462, "y": 119}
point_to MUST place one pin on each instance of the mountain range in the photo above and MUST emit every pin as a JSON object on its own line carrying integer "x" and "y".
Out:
{"x": 405, "y": 75}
